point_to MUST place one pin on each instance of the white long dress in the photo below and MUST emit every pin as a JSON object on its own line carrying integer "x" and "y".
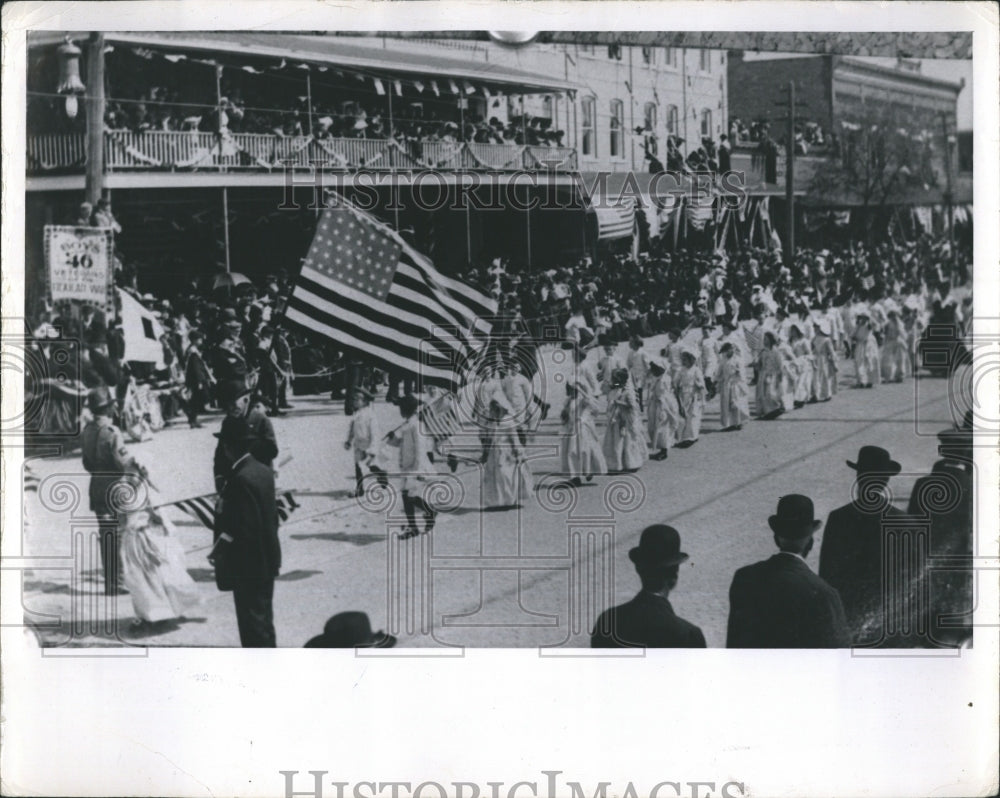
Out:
{"x": 153, "y": 567}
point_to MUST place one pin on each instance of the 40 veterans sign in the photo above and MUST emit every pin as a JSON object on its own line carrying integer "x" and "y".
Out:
{"x": 79, "y": 264}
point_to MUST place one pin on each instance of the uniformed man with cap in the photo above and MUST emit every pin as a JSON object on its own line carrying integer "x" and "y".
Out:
{"x": 235, "y": 395}
{"x": 108, "y": 462}
{"x": 229, "y": 359}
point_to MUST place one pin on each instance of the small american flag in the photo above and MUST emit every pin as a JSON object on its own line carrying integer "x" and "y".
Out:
{"x": 203, "y": 507}
{"x": 368, "y": 291}
{"x": 440, "y": 418}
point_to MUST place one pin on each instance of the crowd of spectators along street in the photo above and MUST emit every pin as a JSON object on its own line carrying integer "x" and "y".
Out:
{"x": 161, "y": 109}
{"x": 807, "y": 134}
{"x": 675, "y": 290}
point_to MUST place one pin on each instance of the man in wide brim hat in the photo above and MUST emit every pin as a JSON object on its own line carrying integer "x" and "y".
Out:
{"x": 874, "y": 460}
{"x": 649, "y": 620}
{"x": 351, "y": 630}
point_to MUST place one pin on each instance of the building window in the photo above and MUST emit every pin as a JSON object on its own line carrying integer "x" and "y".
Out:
{"x": 617, "y": 120}
{"x": 587, "y": 140}
{"x": 670, "y": 56}
{"x": 649, "y": 56}
{"x": 706, "y": 123}
{"x": 706, "y": 60}
{"x": 672, "y": 119}
{"x": 615, "y": 52}
{"x": 649, "y": 115}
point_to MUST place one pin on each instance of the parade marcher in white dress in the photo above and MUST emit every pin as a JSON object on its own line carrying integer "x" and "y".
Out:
{"x": 802, "y": 353}
{"x": 520, "y": 394}
{"x": 894, "y": 351}
{"x": 866, "y": 359}
{"x": 624, "y": 438}
{"x": 506, "y": 478}
{"x": 709, "y": 360}
{"x": 608, "y": 363}
{"x": 734, "y": 400}
{"x": 637, "y": 363}
{"x": 689, "y": 387}
{"x": 824, "y": 363}
{"x": 662, "y": 414}
{"x": 364, "y": 437}
{"x": 790, "y": 374}
{"x": 153, "y": 567}
{"x": 413, "y": 465}
{"x": 770, "y": 378}
{"x": 580, "y": 448}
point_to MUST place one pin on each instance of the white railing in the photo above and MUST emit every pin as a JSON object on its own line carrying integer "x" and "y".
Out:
{"x": 129, "y": 151}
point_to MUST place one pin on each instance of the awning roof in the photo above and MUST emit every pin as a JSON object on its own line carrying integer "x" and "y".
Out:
{"x": 339, "y": 52}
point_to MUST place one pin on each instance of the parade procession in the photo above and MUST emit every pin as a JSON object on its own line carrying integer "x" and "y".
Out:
{"x": 340, "y": 341}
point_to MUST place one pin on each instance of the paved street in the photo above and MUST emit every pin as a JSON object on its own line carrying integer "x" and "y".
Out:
{"x": 538, "y": 575}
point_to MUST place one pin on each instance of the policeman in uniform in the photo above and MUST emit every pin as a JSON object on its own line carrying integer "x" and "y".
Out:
{"x": 235, "y": 397}
{"x": 230, "y": 357}
{"x": 108, "y": 462}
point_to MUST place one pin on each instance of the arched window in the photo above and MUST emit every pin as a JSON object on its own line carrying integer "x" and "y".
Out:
{"x": 588, "y": 143}
{"x": 616, "y": 149}
{"x": 672, "y": 120}
{"x": 706, "y": 123}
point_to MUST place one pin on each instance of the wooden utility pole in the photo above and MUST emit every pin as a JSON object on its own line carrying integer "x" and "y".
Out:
{"x": 948, "y": 196}
{"x": 790, "y": 178}
{"x": 789, "y": 250}
{"x": 94, "y": 109}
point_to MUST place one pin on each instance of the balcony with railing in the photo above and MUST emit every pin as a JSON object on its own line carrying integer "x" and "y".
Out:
{"x": 195, "y": 151}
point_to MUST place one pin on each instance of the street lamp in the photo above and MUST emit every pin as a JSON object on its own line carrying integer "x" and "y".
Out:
{"x": 69, "y": 76}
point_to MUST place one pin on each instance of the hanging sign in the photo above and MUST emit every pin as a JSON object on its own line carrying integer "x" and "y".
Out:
{"x": 79, "y": 264}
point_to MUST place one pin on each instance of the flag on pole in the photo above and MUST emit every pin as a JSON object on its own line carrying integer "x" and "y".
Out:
{"x": 142, "y": 332}
{"x": 286, "y": 505}
{"x": 201, "y": 508}
{"x": 367, "y": 290}
{"x": 440, "y": 417}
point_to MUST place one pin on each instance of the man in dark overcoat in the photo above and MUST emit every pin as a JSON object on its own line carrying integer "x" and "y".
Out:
{"x": 780, "y": 602}
{"x": 851, "y": 556}
{"x": 648, "y": 620}
{"x": 247, "y": 553}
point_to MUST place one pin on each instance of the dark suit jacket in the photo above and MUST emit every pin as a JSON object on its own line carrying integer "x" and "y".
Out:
{"x": 850, "y": 561}
{"x": 647, "y": 620}
{"x": 250, "y": 516}
{"x": 781, "y": 603}
{"x": 196, "y": 375}
{"x": 264, "y": 449}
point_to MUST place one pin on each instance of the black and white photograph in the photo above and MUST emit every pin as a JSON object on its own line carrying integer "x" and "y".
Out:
{"x": 344, "y": 331}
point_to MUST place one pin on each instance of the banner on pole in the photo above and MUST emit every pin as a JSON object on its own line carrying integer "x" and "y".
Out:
{"x": 79, "y": 265}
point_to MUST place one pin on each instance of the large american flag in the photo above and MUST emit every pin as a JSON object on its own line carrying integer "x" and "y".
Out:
{"x": 367, "y": 290}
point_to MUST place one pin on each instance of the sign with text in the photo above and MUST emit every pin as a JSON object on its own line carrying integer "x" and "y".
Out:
{"x": 79, "y": 264}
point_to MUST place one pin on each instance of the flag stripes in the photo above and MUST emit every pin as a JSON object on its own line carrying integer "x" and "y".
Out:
{"x": 367, "y": 290}
{"x": 200, "y": 507}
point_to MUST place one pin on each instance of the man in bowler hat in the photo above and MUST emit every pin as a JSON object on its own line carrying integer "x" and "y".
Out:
{"x": 247, "y": 553}
{"x": 850, "y": 559}
{"x": 648, "y": 620}
{"x": 350, "y": 630}
{"x": 780, "y": 602}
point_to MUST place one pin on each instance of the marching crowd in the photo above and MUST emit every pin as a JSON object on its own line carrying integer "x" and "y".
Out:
{"x": 739, "y": 328}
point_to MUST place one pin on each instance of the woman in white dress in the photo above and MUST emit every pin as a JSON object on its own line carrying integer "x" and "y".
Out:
{"x": 153, "y": 565}
{"x": 803, "y": 359}
{"x": 689, "y": 387}
{"x": 580, "y": 448}
{"x": 624, "y": 438}
{"x": 770, "y": 376}
{"x": 866, "y": 356}
{"x": 734, "y": 404}
{"x": 662, "y": 414}
{"x": 506, "y": 476}
{"x": 825, "y": 363}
